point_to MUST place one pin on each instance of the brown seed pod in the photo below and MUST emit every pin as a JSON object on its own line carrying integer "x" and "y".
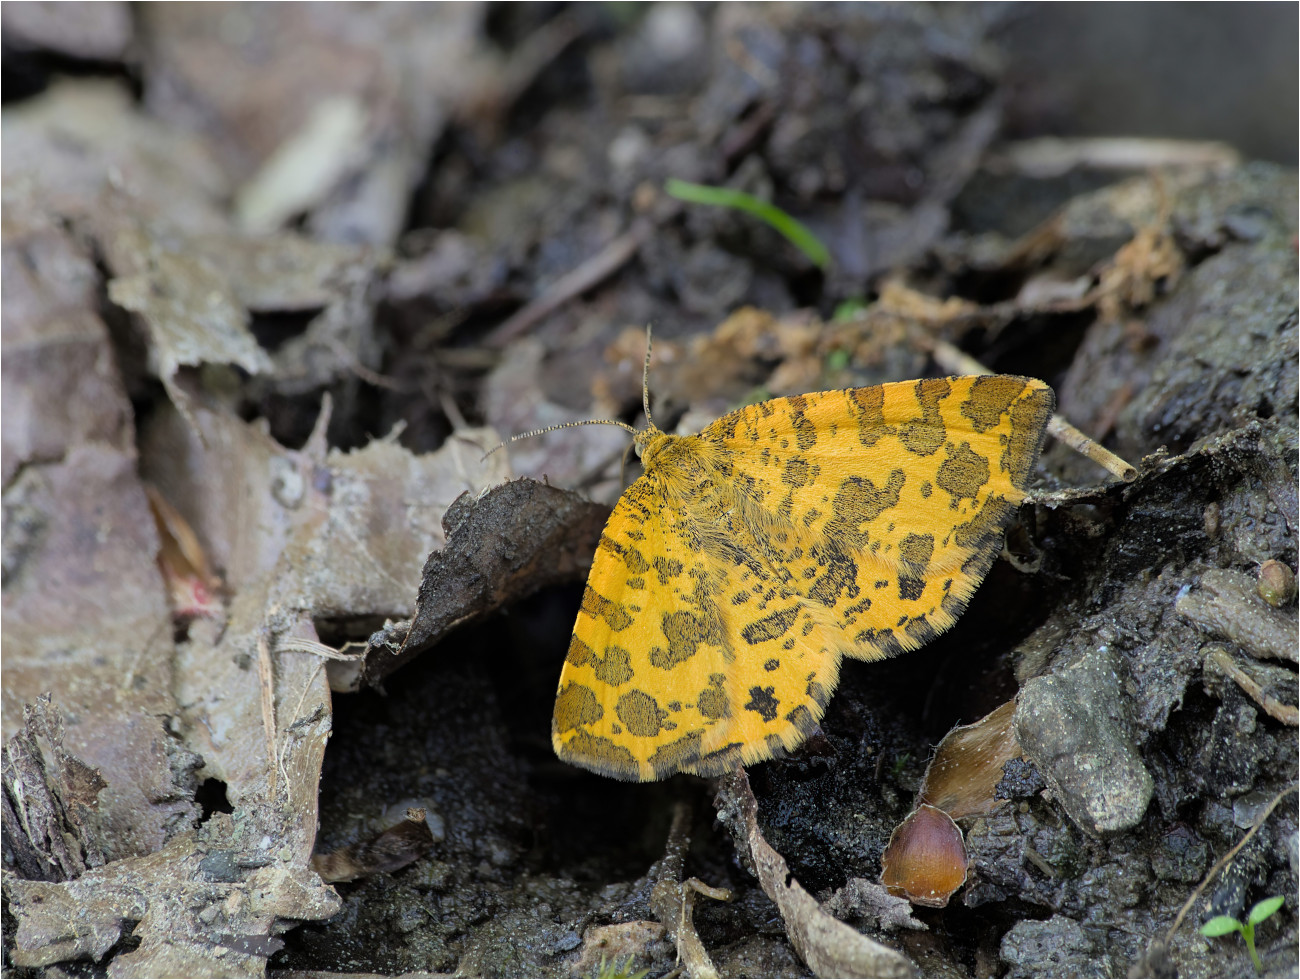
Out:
{"x": 967, "y": 765}
{"x": 1276, "y": 583}
{"x": 925, "y": 860}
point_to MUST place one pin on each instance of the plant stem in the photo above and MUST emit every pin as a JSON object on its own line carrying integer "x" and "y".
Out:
{"x": 1248, "y": 934}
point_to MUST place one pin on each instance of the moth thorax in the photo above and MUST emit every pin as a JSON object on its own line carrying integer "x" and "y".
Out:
{"x": 650, "y": 443}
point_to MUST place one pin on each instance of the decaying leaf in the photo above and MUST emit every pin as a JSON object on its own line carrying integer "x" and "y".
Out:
{"x": 51, "y": 806}
{"x": 61, "y": 385}
{"x": 967, "y": 765}
{"x": 828, "y": 946}
{"x": 86, "y": 619}
{"x": 508, "y": 543}
{"x": 389, "y": 850}
{"x": 177, "y": 903}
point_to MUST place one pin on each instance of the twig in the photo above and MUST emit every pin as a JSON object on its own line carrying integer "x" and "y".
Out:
{"x": 354, "y": 365}
{"x": 1220, "y": 864}
{"x": 672, "y": 899}
{"x": 298, "y": 644}
{"x": 1287, "y": 714}
{"x": 950, "y": 358}
{"x": 604, "y": 263}
{"x": 1051, "y": 157}
{"x": 266, "y": 681}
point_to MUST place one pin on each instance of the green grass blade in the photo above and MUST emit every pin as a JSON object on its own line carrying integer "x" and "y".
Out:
{"x": 725, "y": 197}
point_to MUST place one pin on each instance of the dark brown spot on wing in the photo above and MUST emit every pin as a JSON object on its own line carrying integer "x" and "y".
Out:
{"x": 615, "y": 668}
{"x": 684, "y": 632}
{"x": 796, "y": 473}
{"x": 805, "y": 432}
{"x": 712, "y": 702}
{"x": 840, "y": 576}
{"x": 761, "y": 700}
{"x": 917, "y": 550}
{"x": 579, "y": 653}
{"x": 909, "y": 588}
{"x": 628, "y": 554}
{"x": 670, "y": 758}
{"x": 770, "y": 627}
{"x": 1029, "y": 418}
{"x": 801, "y": 718}
{"x": 858, "y": 501}
{"x": 667, "y": 569}
{"x": 640, "y": 713}
{"x": 597, "y": 606}
{"x": 989, "y": 398}
{"x": 925, "y": 435}
{"x": 963, "y": 472}
{"x": 868, "y": 404}
{"x": 575, "y": 705}
{"x": 601, "y": 755}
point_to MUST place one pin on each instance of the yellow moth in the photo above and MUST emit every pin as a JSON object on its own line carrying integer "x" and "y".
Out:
{"x": 735, "y": 573}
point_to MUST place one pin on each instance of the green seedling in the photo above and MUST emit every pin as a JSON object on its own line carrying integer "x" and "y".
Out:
{"x": 848, "y": 310}
{"x": 725, "y": 197}
{"x": 618, "y": 969}
{"x": 1221, "y": 925}
{"x": 837, "y": 360}
{"x": 900, "y": 763}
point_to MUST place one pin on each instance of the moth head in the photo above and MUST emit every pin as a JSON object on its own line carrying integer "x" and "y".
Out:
{"x": 649, "y": 443}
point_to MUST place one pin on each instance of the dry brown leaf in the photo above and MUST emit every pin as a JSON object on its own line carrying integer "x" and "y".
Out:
{"x": 828, "y": 946}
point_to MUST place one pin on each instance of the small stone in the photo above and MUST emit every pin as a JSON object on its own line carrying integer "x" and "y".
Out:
{"x": 1058, "y": 947}
{"x": 1276, "y": 583}
{"x": 1245, "y": 809}
{"x": 1073, "y": 726}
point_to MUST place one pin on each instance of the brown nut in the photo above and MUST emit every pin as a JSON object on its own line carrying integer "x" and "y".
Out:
{"x": 925, "y": 860}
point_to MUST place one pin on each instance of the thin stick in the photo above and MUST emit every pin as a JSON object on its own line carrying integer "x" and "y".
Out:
{"x": 266, "y": 681}
{"x": 1223, "y": 861}
{"x": 1287, "y": 714}
{"x": 604, "y": 263}
{"x": 298, "y": 644}
{"x": 951, "y": 359}
{"x": 1082, "y": 443}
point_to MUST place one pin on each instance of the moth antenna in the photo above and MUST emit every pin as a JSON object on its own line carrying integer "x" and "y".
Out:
{"x": 552, "y": 428}
{"x": 645, "y": 379}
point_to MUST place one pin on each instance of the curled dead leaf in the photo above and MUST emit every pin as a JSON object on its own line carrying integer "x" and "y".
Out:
{"x": 967, "y": 765}
{"x": 389, "y": 850}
